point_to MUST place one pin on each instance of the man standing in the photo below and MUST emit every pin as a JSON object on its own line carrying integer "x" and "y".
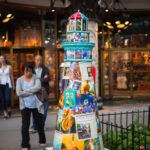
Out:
{"x": 43, "y": 74}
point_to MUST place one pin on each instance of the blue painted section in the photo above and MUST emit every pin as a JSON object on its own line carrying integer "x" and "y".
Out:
{"x": 79, "y": 32}
{"x": 78, "y": 60}
{"x": 77, "y": 48}
{"x": 70, "y": 98}
{"x": 78, "y": 44}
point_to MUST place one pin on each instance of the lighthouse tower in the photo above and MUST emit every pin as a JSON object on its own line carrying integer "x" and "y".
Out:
{"x": 77, "y": 126}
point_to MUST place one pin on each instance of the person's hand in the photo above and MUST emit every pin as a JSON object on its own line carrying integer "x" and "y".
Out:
{"x": 45, "y": 76}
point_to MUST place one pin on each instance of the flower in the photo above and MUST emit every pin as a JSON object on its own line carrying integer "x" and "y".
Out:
{"x": 142, "y": 147}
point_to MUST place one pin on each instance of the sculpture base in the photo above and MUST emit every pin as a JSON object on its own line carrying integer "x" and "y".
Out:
{"x": 51, "y": 148}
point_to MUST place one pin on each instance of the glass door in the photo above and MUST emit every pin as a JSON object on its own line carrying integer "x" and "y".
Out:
{"x": 120, "y": 74}
{"x": 21, "y": 56}
{"x": 53, "y": 59}
{"x": 141, "y": 74}
{"x": 50, "y": 63}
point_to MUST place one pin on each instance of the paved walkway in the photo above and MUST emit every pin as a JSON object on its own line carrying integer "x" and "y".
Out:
{"x": 10, "y": 133}
{"x": 10, "y": 130}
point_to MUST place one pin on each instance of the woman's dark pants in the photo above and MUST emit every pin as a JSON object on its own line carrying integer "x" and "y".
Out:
{"x": 26, "y": 113}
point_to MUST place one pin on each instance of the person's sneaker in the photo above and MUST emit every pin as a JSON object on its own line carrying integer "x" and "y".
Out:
{"x": 32, "y": 130}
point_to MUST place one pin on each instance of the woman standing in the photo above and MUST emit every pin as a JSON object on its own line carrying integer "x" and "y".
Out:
{"x": 6, "y": 83}
{"x": 26, "y": 86}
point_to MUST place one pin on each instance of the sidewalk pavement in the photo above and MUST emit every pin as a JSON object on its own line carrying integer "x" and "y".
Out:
{"x": 10, "y": 133}
{"x": 10, "y": 130}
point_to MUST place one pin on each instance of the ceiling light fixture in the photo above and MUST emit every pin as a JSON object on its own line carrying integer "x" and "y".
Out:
{"x": 108, "y": 23}
{"x": 120, "y": 26}
{"x": 9, "y": 15}
{"x": 117, "y": 22}
{"x": 59, "y": 31}
{"x": 5, "y": 20}
{"x": 125, "y": 27}
{"x": 106, "y": 10}
{"x": 12, "y": 17}
{"x": 3, "y": 37}
{"x": 126, "y": 22}
{"x": 110, "y": 27}
{"x": 53, "y": 10}
{"x": 46, "y": 42}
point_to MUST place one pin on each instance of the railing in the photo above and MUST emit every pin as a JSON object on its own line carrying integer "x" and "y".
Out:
{"x": 128, "y": 130}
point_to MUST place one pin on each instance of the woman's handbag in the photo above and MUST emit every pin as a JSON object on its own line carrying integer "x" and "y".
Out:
{"x": 42, "y": 95}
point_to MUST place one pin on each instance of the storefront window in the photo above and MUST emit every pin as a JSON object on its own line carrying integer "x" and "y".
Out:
{"x": 133, "y": 40}
{"x": 134, "y": 35}
{"x": 19, "y": 58}
{"x": 127, "y": 74}
{"x": 27, "y": 34}
{"x": 50, "y": 63}
{"x": 106, "y": 73}
{"x": 121, "y": 73}
{"x": 141, "y": 73}
{"x": 49, "y": 34}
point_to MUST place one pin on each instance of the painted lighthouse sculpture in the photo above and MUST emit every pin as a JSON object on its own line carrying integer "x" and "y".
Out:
{"x": 78, "y": 125}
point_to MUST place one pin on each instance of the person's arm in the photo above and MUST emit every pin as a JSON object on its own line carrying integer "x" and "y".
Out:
{"x": 19, "y": 90}
{"x": 12, "y": 78}
{"x": 46, "y": 77}
{"x": 36, "y": 87}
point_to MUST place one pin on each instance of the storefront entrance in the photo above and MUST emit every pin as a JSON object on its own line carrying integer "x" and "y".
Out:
{"x": 17, "y": 57}
{"x": 125, "y": 73}
{"x": 20, "y": 56}
{"x": 52, "y": 59}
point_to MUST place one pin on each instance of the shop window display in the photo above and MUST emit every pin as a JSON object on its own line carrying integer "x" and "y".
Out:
{"x": 141, "y": 75}
{"x": 49, "y": 34}
{"x": 106, "y": 73}
{"x": 19, "y": 58}
{"x": 121, "y": 73}
{"x": 136, "y": 35}
{"x": 129, "y": 74}
{"x": 15, "y": 64}
{"x": 50, "y": 64}
{"x": 27, "y": 34}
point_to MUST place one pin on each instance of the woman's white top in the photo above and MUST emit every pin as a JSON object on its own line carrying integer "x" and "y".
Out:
{"x": 5, "y": 76}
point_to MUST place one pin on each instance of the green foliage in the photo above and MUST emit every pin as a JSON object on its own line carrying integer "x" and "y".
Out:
{"x": 123, "y": 140}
